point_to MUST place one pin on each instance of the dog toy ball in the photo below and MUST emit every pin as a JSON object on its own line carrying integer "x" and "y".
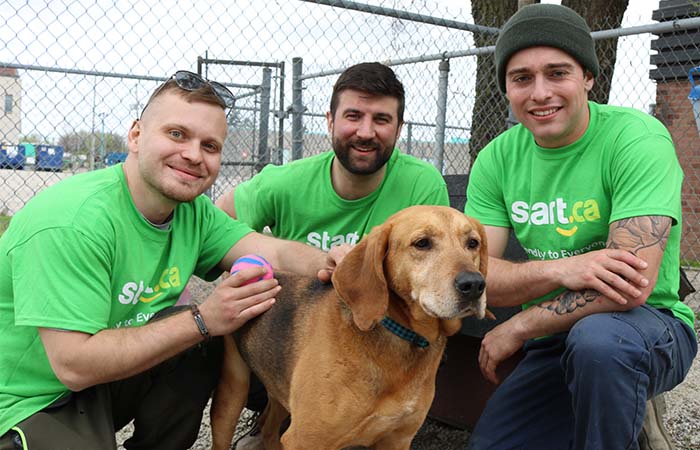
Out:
{"x": 247, "y": 261}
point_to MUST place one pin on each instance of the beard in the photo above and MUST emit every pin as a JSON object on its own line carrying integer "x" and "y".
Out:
{"x": 358, "y": 165}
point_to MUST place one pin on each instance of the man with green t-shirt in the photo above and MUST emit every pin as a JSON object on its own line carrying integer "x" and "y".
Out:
{"x": 593, "y": 194}
{"x": 337, "y": 197}
{"x": 88, "y": 262}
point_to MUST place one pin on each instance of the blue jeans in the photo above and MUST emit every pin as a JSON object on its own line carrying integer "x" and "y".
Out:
{"x": 587, "y": 389}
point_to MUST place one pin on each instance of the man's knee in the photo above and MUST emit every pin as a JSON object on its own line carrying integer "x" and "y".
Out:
{"x": 602, "y": 344}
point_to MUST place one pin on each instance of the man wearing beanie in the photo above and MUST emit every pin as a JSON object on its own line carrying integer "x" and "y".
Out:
{"x": 593, "y": 194}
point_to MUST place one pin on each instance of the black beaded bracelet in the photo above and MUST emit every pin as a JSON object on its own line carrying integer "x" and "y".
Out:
{"x": 199, "y": 320}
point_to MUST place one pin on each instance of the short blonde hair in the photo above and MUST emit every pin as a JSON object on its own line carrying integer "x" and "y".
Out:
{"x": 203, "y": 94}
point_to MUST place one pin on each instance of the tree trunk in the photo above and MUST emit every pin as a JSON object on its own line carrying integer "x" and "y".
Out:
{"x": 601, "y": 15}
{"x": 490, "y": 105}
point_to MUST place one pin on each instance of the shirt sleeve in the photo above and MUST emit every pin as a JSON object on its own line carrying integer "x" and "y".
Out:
{"x": 254, "y": 201}
{"x": 436, "y": 196}
{"x": 646, "y": 179}
{"x": 61, "y": 279}
{"x": 223, "y": 232}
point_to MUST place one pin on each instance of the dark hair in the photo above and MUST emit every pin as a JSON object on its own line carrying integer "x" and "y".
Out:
{"x": 372, "y": 78}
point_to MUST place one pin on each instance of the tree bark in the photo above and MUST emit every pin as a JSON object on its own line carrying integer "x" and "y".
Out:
{"x": 601, "y": 15}
{"x": 490, "y": 105}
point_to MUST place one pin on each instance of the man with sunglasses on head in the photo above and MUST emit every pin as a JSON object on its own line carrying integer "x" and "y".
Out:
{"x": 87, "y": 262}
{"x": 338, "y": 196}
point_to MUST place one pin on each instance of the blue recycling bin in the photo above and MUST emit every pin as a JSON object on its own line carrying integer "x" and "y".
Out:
{"x": 113, "y": 158}
{"x": 49, "y": 157}
{"x": 12, "y": 157}
{"x": 694, "y": 96}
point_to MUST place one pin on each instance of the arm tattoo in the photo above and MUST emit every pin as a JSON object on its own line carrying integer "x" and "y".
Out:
{"x": 633, "y": 234}
{"x": 569, "y": 301}
{"x": 636, "y": 233}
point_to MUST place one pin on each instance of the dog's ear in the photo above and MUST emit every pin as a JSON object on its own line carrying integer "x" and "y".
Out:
{"x": 484, "y": 250}
{"x": 483, "y": 269}
{"x": 359, "y": 279}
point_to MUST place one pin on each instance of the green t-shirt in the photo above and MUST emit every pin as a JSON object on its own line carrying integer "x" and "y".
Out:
{"x": 79, "y": 256}
{"x": 561, "y": 202}
{"x": 297, "y": 200}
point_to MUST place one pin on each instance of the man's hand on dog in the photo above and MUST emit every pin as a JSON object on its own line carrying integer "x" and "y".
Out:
{"x": 232, "y": 304}
{"x": 333, "y": 258}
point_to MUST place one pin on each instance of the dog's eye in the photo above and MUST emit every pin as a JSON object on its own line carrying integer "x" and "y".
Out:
{"x": 423, "y": 244}
{"x": 472, "y": 243}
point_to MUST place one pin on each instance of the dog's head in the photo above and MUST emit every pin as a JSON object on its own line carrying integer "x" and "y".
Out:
{"x": 434, "y": 258}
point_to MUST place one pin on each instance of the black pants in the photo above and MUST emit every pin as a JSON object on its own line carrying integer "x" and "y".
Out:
{"x": 257, "y": 395}
{"x": 166, "y": 404}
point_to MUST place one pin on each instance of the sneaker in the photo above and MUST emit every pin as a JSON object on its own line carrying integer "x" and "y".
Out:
{"x": 252, "y": 439}
{"x": 654, "y": 435}
{"x": 250, "y": 442}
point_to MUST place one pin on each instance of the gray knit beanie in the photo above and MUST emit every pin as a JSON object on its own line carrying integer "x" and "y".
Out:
{"x": 547, "y": 25}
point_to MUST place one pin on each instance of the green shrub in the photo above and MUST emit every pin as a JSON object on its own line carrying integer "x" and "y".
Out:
{"x": 4, "y": 222}
{"x": 690, "y": 263}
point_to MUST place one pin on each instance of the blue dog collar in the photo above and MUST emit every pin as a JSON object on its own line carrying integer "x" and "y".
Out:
{"x": 404, "y": 333}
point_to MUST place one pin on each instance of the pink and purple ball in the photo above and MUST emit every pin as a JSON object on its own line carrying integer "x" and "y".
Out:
{"x": 247, "y": 261}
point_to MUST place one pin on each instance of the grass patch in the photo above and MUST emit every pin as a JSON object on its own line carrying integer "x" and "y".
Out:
{"x": 4, "y": 223}
{"x": 690, "y": 263}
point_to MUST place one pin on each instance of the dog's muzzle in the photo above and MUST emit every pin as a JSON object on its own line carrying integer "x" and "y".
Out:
{"x": 470, "y": 284}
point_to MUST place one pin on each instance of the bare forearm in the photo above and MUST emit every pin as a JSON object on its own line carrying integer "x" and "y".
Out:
{"x": 644, "y": 236}
{"x": 225, "y": 202}
{"x": 548, "y": 318}
{"x": 513, "y": 284}
{"x": 618, "y": 278}
{"x": 283, "y": 254}
{"x": 115, "y": 354}
{"x": 561, "y": 313}
{"x": 620, "y": 272}
{"x": 301, "y": 258}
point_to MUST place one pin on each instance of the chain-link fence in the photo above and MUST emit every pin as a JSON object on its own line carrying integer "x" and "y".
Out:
{"x": 74, "y": 74}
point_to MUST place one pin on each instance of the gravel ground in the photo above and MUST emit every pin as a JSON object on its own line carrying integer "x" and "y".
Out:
{"x": 682, "y": 416}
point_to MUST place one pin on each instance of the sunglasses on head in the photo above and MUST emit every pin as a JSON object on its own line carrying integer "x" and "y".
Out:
{"x": 190, "y": 81}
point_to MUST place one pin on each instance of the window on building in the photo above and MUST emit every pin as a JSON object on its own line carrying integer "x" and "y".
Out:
{"x": 8, "y": 103}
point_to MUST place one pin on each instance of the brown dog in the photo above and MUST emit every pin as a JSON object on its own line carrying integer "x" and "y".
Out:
{"x": 329, "y": 356}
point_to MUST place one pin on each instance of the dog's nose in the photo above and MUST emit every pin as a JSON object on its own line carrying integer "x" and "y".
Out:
{"x": 471, "y": 284}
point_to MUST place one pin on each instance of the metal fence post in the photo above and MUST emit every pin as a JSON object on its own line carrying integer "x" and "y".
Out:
{"x": 297, "y": 110}
{"x": 280, "y": 118}
{"x": 265, "y": 88}
{"x": 409, "y": 137}
{"x": 441, "y": 113}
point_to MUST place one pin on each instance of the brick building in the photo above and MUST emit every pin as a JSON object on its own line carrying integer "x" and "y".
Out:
{"x": 676, "y": 53}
